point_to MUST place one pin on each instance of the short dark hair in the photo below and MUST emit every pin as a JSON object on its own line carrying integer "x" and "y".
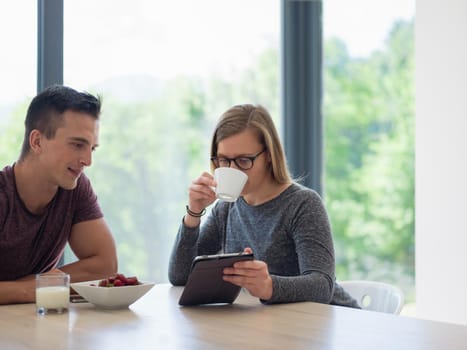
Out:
{"x": 45, "y": 113}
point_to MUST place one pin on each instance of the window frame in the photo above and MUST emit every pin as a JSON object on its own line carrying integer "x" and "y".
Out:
{"x": 49, "y": 43}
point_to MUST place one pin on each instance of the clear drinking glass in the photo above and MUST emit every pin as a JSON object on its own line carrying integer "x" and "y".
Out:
{"x": 52, "y": 292}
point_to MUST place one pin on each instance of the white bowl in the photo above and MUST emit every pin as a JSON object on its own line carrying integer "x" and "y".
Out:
{"x": 111, "y": 297}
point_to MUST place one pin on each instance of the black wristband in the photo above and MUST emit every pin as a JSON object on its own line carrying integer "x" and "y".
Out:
{"x": 195, "y": 215}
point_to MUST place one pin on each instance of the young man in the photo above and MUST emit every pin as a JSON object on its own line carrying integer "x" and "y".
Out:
{"x": 47, "y": 201}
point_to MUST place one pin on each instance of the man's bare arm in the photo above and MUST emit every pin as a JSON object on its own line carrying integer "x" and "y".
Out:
{"x": 94, "y": 246}
{"x": 19, "y": 291}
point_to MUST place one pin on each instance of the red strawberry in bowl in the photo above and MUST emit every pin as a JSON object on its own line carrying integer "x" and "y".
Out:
{"x": 119, "y": 280}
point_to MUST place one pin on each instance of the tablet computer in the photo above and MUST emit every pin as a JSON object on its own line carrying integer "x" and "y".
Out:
{"x": 205, "y": 284}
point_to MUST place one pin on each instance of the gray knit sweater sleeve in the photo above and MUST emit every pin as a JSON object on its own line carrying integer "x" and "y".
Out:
{"x": 291, "y": 233}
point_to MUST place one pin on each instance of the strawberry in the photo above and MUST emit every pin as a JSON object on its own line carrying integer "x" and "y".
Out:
{"x": 121, "y": 277}
{"x": 118, "y": 283}
{"x": 133, "y": 280}
{"x": 119, "y": 280}
{"x": 103, "y": 283}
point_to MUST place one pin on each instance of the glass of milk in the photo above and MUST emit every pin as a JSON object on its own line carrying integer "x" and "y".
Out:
{"x": 52, "y": 292}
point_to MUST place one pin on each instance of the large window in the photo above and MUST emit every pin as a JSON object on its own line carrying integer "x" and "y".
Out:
{"x": 369, "y": 138}
{"x": 166, "y": 70}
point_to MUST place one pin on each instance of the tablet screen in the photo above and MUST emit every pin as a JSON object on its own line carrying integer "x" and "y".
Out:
{"x": 205, "y": 284}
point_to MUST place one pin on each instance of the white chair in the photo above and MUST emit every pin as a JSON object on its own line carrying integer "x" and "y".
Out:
{"x": 375, "y": 296}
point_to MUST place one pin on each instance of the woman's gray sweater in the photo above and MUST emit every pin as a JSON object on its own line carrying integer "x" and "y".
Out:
{"x": 291, "y": 233}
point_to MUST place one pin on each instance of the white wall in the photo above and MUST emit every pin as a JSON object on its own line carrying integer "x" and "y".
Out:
{"x": 441, "y": 160}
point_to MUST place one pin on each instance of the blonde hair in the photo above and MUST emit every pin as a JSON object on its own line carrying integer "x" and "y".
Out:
{"x": 246, "y": 116}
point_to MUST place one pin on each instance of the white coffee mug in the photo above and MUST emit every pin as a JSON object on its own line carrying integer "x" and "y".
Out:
{"x": 230, "y": 183}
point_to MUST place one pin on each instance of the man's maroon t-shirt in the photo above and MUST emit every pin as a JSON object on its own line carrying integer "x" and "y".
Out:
{"x": 32, "y": 243}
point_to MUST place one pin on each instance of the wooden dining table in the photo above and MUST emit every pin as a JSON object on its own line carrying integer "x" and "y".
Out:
{"x": 156, "y": 321}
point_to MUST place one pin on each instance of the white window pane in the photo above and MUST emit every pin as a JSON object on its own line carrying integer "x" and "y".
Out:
{"x": 18, "y": 37}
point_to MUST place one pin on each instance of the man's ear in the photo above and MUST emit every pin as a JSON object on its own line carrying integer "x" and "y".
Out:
{"x": 35, "y": 141}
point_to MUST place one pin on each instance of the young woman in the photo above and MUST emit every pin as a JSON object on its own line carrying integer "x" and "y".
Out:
{"x": 283, "y": 223}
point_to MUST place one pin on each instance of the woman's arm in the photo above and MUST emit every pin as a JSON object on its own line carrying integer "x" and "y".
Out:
{"x": 183, "y": 252}
{"x": 193, "y": 241}
{"x": 311, "y": 233}
{"x": 298, "y": 263}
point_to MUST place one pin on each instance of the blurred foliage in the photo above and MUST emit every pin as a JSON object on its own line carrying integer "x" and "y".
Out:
{"x": 369, "y": 160}
{"x": 11, "y": 134}
{"x": 152, "y": 148}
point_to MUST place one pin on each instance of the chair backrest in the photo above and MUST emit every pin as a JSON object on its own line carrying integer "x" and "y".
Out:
{"x": 375, "y": 296}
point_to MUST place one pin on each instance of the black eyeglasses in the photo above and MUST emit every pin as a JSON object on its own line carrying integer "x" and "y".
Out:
{"x": 242, "y": 162}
